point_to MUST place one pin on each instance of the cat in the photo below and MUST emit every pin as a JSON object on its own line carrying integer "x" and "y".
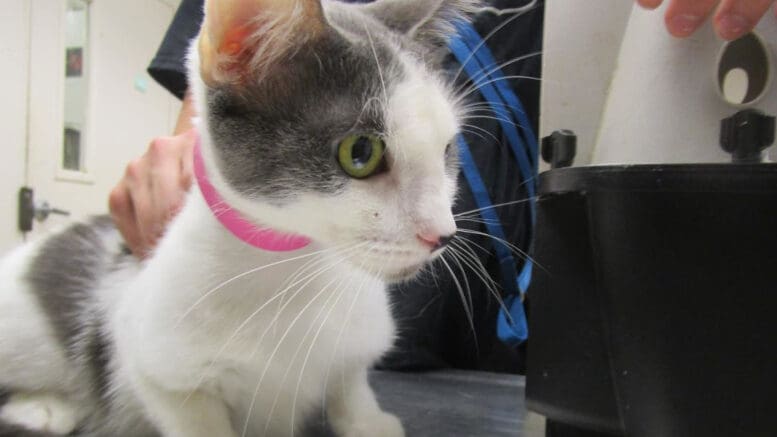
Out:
{"x": 329, "y": 124}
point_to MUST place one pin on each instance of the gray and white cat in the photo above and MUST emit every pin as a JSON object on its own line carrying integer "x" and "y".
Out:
{"x": 317, "y": 118}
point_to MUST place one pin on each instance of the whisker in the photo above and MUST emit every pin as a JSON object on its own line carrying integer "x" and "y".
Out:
{"x": 499, "y": 12}
{"x": 470, "y": 257}
{"x": 486, "y": 71}
{"x": 476, "y": 220}
{"x": 377, "y": 62}
{"x": 477, "y": 85}
{"x": 278, "y": 345}
{"x": 310, "y": 278}
{"x": 310, "y": 265}
{"x": 475, "y": 133}
{"x": 486, "y": 38}
{"x": 468, "y": 242}
{"x": 466, "y": 280}
{"x": 498, "y": 205}
{"x": 477, "y": 105}
{"x": 488, "y": 117}
{"x": 234, "y": 278}
{"x": 297, "y": 351}
{"x": 515, "y": 249}
{"x": 248, "y": 319}
{"x": 467, "y": 310}
{"x": 482, "y": 273}
{"x": 482, "y": 130}
{"x": 340, "y": 294}
{"x": 340, "y": 334}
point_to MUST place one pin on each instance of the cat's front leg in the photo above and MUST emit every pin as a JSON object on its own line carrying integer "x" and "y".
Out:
{"x": 353, "y": 411}
{"x": 193, "y": 414}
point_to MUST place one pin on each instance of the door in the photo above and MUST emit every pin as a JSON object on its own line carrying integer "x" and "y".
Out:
{"x": 14, "y": 61}
{"x": 81, "y": 106}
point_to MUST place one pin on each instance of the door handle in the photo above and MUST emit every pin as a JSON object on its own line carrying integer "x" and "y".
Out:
{"x": 44, "y": 210}
{"x": 29, "y": 210}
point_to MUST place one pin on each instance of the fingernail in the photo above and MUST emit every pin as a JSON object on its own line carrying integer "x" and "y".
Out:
{"x": 732, "y": 26}
{"x": 684, "y": 24}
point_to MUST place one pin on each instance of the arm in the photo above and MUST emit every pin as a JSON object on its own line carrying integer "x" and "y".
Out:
{"x": 153, "y": 188}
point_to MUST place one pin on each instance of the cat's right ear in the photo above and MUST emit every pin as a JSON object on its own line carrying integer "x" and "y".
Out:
{"x": 242, "y": 39}
{"x": 429, "y": 22}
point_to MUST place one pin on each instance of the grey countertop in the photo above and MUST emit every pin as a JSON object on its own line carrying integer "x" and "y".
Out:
{"x": 446, "y": 404}
{"x": 457, "y": 403}
{"x": 452, "y": 403}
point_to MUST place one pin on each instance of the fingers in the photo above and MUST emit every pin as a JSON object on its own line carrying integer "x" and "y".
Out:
{"x": 152, "y": 191}
{"x": 163, "y": 195}
{"x": 187, "y": 162}
{"x": 123, "y": 214}
{"x": 735, "y": 18}
{"x": 650, "y": 4}
{"x": 732, "y": 18}
{"x": 683, "y": 17}
{"x": 137, "y": 225}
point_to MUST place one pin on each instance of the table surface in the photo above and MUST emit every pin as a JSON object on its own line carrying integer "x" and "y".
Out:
{"x": 449, "y": 404}
{"x": 454, "y": 403}
{"x": 457, "y": 403}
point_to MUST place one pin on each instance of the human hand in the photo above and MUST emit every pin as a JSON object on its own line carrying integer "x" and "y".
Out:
{"x": 731, "y": 18}
{"x": 152, "y": 191}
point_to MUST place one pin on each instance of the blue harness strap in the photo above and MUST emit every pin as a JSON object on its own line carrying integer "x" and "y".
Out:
{"x": 476, "y": 59}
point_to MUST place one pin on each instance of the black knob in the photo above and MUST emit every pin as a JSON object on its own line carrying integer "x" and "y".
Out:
{"x": 559, "y": 148}
{"x": 746, "y": 134}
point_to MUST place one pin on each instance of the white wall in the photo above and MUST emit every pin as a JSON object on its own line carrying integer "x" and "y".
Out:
{"x": 13, "y": 113}
{"x": 664, "y": 105}
{"x": 632, "y": 93}
{"x": 122, "y": 117}
{"x": 581, "y": 44}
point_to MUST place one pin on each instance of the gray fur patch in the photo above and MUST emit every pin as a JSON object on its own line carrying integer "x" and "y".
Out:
{"x": 63, "y": 277}
{"x": 278, "y": 138}
{"x": 428, "y": 22}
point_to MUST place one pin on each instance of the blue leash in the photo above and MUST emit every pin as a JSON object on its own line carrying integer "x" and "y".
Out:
{"x": 478, "y": 62}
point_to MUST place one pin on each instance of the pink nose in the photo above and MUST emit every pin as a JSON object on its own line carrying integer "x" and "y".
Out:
{"x": 435, "y": 241}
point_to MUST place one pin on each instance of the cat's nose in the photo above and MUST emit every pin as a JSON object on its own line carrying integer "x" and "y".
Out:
{"x": 435, "y": 241}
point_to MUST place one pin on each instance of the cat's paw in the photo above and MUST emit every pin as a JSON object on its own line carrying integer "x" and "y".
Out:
{"x": 40, "y": 412}
{"x": 380, "y": 424}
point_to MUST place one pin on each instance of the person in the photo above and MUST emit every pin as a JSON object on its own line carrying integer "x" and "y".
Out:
{"x": 436, "y": 329}
{"x": 731, "y": 18}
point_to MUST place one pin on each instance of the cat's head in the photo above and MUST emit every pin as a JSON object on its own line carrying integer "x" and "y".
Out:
{"x": 331, "y": 120}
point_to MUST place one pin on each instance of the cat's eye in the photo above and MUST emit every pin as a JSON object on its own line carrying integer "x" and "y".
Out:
{"x": 361, "y": 155}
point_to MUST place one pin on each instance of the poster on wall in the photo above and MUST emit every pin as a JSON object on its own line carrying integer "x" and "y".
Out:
{"x": 74, "y": 62}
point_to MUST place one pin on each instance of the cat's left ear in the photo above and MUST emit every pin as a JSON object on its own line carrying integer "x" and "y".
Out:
{"x": 242, "y": 38}
{"x": 430, "y": 22}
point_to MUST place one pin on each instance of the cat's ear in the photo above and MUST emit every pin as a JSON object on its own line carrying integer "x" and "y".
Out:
{"x": 247, "y": 37}
{"x": 430, "y": 22}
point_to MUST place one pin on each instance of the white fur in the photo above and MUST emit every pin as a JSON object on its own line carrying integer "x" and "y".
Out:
{"x": 213, "y": 336}
{"x": 171, "y": 348}
{"x": 42, "y": 411}
{"x": 30, "y": 355}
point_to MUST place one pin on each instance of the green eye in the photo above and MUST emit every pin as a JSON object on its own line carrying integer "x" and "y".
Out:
{"x": 361, "y": 156}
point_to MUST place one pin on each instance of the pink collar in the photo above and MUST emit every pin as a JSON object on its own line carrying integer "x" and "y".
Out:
{"x": 263, "y": 238}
